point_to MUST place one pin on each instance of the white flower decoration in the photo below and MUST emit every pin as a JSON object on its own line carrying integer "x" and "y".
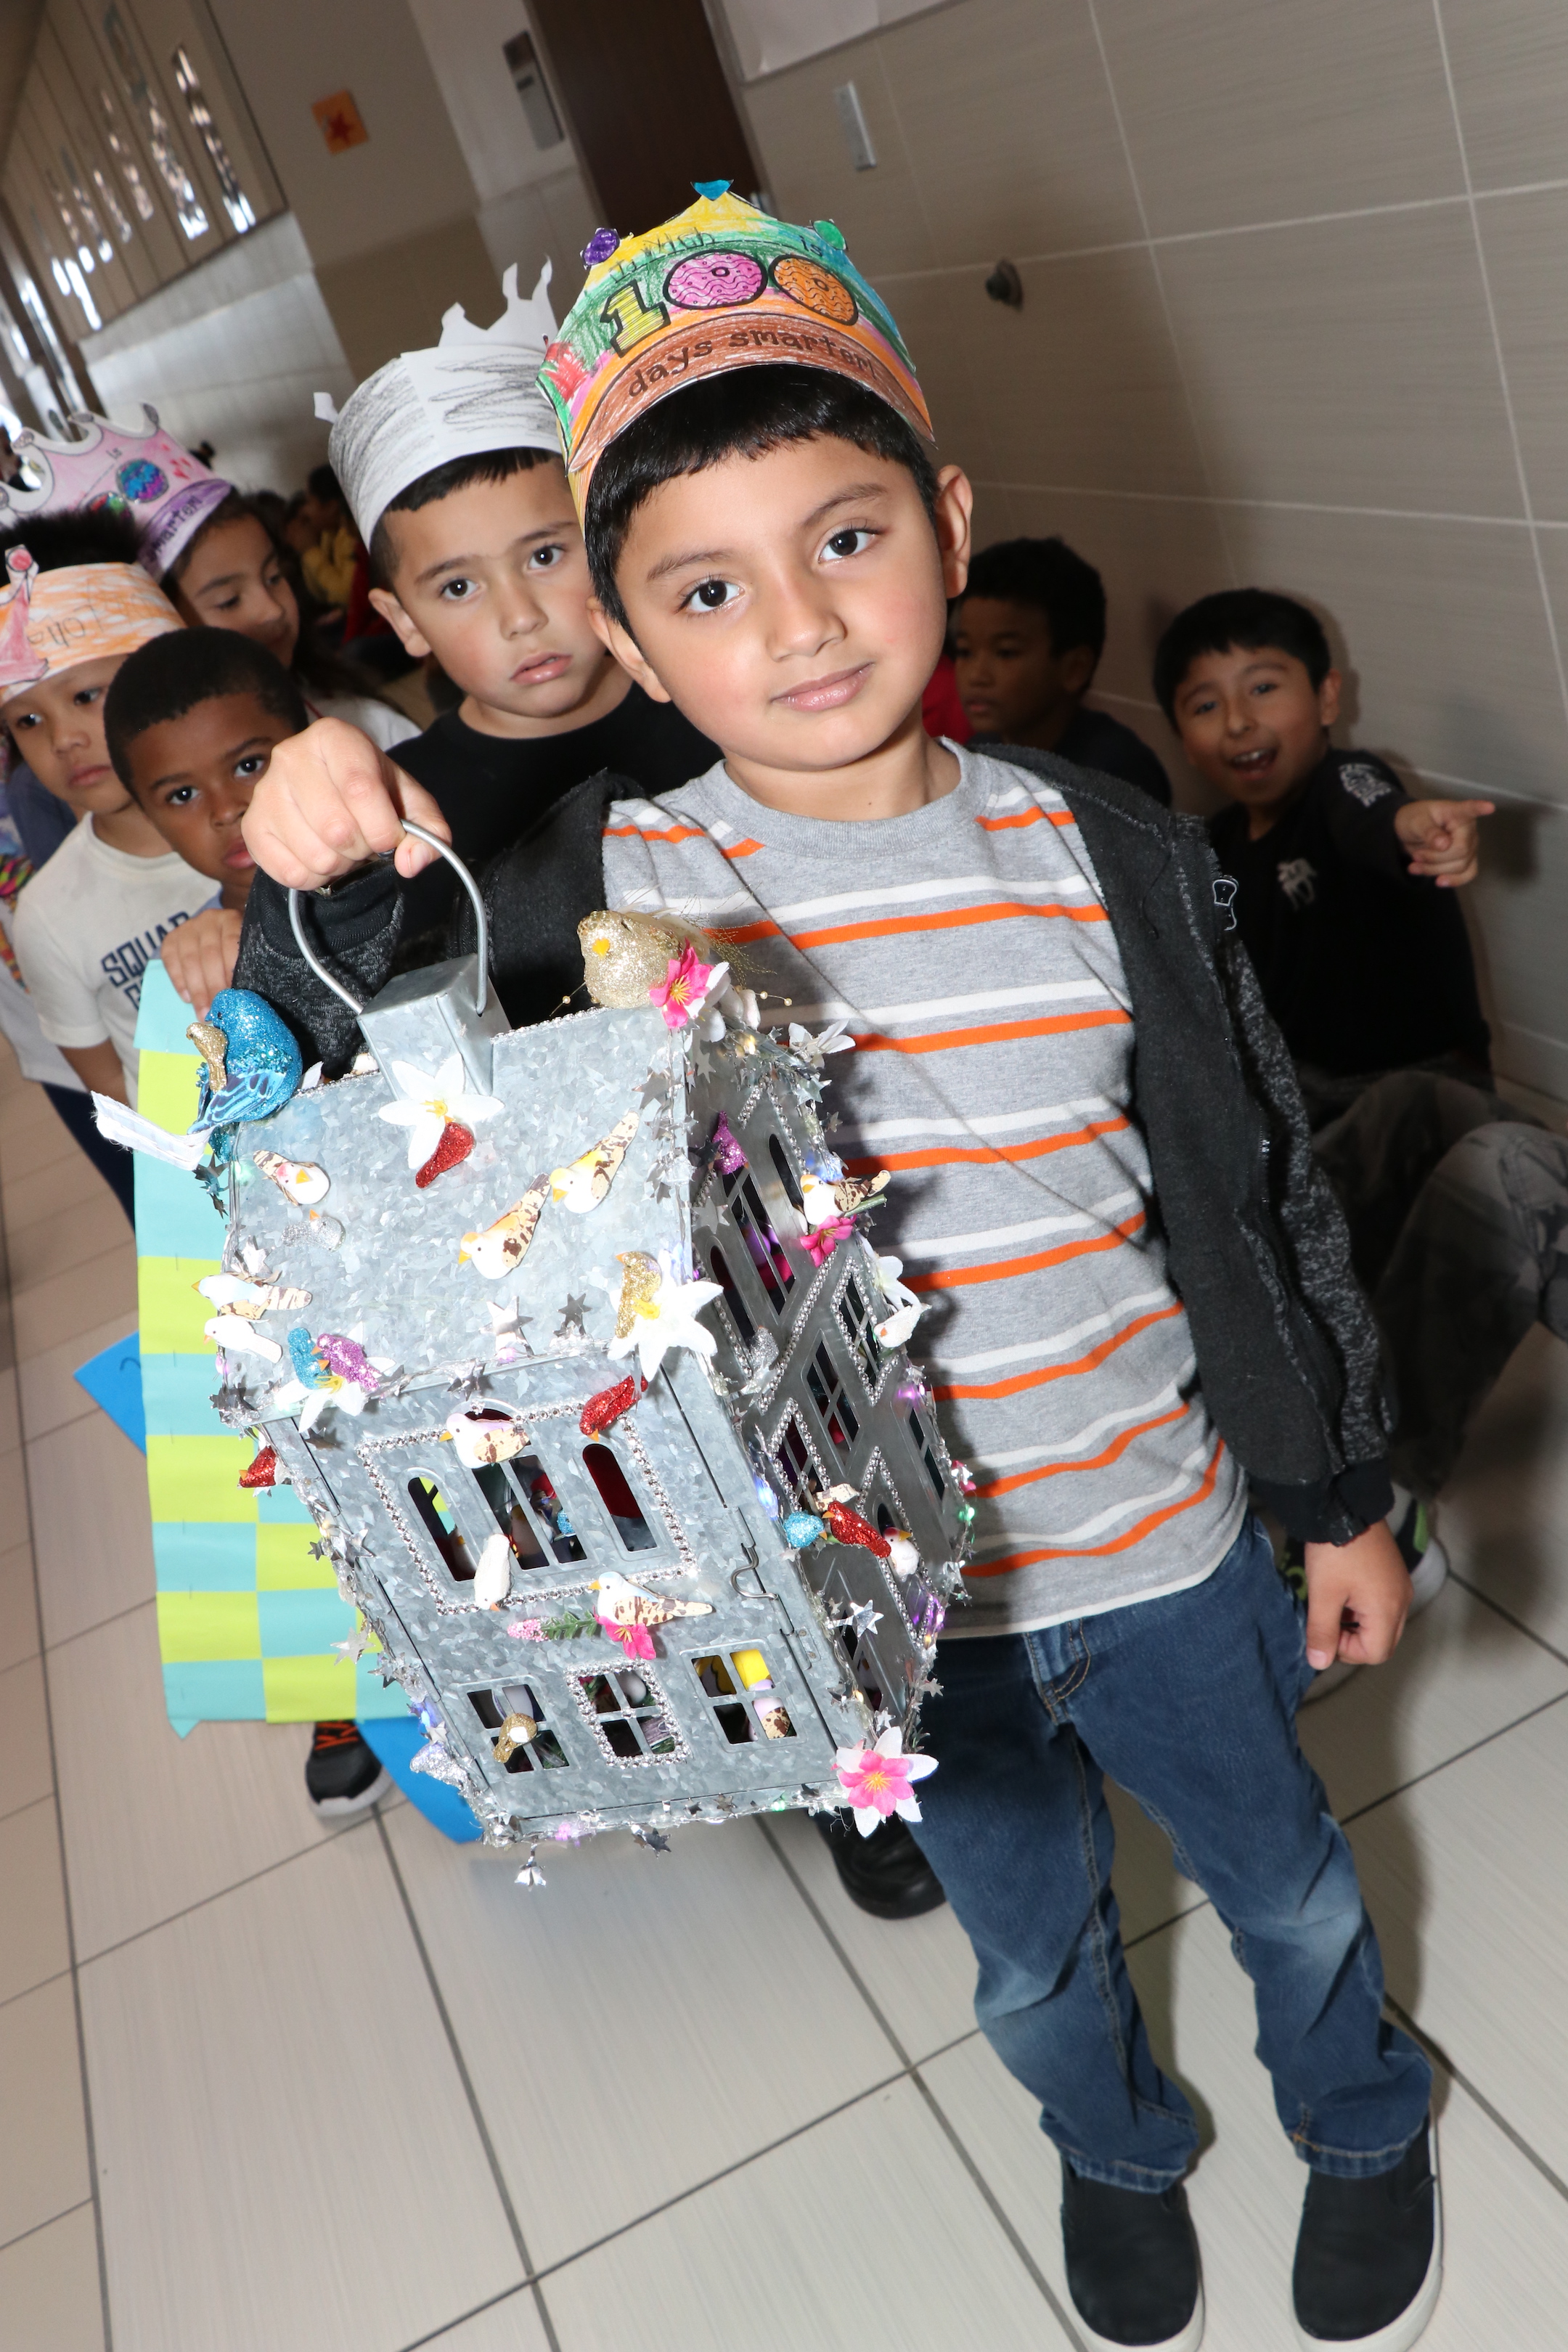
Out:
{"x": 896, "y": 1327}
{"x": 668, "y": 1320}
{"x": 427, "y": 1104}
{"x": 833, "y": 1039}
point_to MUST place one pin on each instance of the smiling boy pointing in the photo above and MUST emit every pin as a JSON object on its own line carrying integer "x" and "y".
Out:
{"x": 1138, "y": 1287}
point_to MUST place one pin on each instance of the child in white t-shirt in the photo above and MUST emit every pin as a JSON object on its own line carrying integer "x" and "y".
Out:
{"x": 89, "y": 924}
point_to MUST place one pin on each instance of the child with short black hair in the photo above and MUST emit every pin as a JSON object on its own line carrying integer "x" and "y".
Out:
{"x": 1344, "y": 882}
{"x": 1028, "y": 633}
{"x": 771, "y": 547}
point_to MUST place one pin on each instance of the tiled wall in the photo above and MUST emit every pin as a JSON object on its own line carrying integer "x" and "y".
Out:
{"x": 1296, "y": 312}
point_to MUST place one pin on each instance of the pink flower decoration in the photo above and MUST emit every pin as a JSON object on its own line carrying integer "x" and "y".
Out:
{"x": 679, "y": 995}
{"x": 821, "y": 1242}
{"x": 526, "y": 1629}
{"x": 635, "y": 1639}
{"x": 877, "y": 1781}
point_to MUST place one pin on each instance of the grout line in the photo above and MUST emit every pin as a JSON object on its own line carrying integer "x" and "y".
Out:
{"x": 1416, "y": 1779}
{"x": 23, "y": 2235}
{"x": 1440, "y": 2057}
{"x": 56, "y": 1976}
{"x": 439, "y": 2335}
{"x": 1519, "y": 467}
{"x": 131, "y": 1609}
{"x": 8, "y": 1330}
{"x": 205, "y": 1902}
{"x": 1484, "y": 1598}
{"x": 994, "y": 2206}
{"x": 1160, "y": 287}
{"x": 913, "y": 2069}
{"x": 502, "y": 2192}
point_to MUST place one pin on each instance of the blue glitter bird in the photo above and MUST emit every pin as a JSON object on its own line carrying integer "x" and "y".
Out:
{"x": 252, "y": 1063}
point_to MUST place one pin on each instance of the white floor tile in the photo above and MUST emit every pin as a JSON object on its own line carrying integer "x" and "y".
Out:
{"x": 866, "y": 2230}
{"x": 640, "y": 2023}
{"x": 10, "y": 1411}
{"x": 32, "y": 1940}
{"x": 285, "y": 2154}
{"x": 1467, "y": 1876}
{"x": 75, "y": 1303}
{"x": 1504, "y": 1519}
{"x": 49, "y": 2295}
{"x": 154, "y": 1822}
{"x": 25, "y": 1774}
{"x": 43, "y": 2149}
{"x": 1507, "y": 2229}
{"x": 47, "y": 1196}
{"x": 512, "y": 2325}
{"x": 33, "y": 1135}
{"x": 51, "y": 1393}
{"x": 92, "y": 1529}
{"x": 1460, "y": 1673}
{"x": 18, "y": 1605}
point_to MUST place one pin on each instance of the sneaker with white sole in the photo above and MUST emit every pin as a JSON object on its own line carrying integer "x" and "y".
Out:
{"x": 343, "y": 1773}
{"x": 1369, "y": 2258}
{"x": 1132, "y": 2266}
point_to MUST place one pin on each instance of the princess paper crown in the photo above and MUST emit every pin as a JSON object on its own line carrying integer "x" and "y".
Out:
{"x": 52, "y": 621}
{"x": 721, "y": 286}
{"x": 148, "y": 475}
{"x": 475, "y": 391}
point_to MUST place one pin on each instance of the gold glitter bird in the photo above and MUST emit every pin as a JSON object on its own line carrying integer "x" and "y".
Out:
{"x": 625, "y": 955}
{"x": 640, "y": 1286}
{"x": 517, "y": 1731}
{"x": 212, "y": 1043}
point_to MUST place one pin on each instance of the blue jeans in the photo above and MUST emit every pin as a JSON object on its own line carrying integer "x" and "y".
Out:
{"x": 1189, "y": 1703}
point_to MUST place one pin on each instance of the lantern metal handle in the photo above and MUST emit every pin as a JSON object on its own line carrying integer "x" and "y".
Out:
{"x": 433, "y": 841}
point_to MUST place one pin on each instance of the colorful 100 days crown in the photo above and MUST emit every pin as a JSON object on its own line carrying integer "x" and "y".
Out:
{"x": 721, "y": 286}
{"x": 169, "y": 492}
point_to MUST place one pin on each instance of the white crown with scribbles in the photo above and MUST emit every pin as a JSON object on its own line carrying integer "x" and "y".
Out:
{"x": 476, "y": 390}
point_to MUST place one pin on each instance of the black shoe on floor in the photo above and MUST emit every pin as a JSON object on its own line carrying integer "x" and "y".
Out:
{"x": 1131, "y": 2266}
{"x": 1369, "y": 2259}
{"x": 884, "y": 1873}
{"x": 343, "y": 1773}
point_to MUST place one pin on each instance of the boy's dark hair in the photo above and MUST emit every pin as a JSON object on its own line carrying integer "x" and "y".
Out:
{"x": 1047, "y": 575}
{"x": 323, "y": 485}
{"x": 57, "y": 542}
{"x": 741, "y": 414}
{"x": 173, "y": 675}
{"x": 234, "y": 507}
{"x": 441, "y": 482}
{"x": 1255, "y": 619}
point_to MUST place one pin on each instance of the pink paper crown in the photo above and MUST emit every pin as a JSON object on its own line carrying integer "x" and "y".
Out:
{"x": 148, "y": 475}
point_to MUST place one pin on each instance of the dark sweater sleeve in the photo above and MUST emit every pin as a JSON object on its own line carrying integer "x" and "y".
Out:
{"x": 1362, "y": 799}
{"x": 536, "y": 892}
{"x": 355, "y": 930}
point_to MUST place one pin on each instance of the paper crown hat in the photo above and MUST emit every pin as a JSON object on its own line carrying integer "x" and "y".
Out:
{"x": 721, "y": 286}
{"x": 52, "y": 621}
{"x": 169, "y": 492}
{"x": 477, "y": 390}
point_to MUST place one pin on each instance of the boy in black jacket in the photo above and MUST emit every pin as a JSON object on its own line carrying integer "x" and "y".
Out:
{"x": 772, "y": 548}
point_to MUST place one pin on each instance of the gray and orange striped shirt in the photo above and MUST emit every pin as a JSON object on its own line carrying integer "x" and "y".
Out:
{"x": 967, "y": 946}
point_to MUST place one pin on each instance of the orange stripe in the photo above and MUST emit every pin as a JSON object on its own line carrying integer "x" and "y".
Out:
{"x": 1113, "y": 1453}
{"x": 635, "y": 832}
{"x": 743, "y": 936}
{"x": 1000, "y": 1269}
{"x": 1021, "y": 1380}
{"x": 986, "y": 1154}
{"x": 743, "y": 849}
{"x": 995, "y": 1033}
{"x": 1015, "y": 1560}
{"x": 1029, "y": 816}
{"x": 897, "y": 926}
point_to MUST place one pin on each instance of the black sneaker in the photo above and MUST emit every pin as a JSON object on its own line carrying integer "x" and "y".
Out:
{"x": 886, "y": 1873}
{"x": 1369, "y": 2259}
{"x": 1132, "y": 2265}
{"x": 342, "y": 1774}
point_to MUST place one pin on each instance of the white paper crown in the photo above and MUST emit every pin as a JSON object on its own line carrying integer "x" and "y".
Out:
{"x": 477, "y": 390}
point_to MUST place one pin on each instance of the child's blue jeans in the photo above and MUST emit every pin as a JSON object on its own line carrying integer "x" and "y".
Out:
{"x": 1189, "y": 1703}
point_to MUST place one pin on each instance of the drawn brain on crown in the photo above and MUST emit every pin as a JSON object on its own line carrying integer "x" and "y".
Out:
{"x": 714, "y": 281}
{"x": 815, "y": 289}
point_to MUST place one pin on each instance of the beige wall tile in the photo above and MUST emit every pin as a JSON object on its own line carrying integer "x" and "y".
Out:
{"x": 1509, "y": 62}
{"x": 34, "y": 1945}
{"x": 48, "y": 2285}
{"x": 1350, "y": 362}
{"x": 1525, "y": 241}
{"x": 799, "y": 144}
{"x": 1081, "y": 386}
{"x": 1235, "y": 112}
{"x": 1442, "y": 625}
{"x": 92, "y": 1530}
{"x": 1518, "y": 913}
{"x": 19, "y": 1606}
{"x": 43, "y": 2150}
{"x": 1009, "y": 125}
{"x": 393, "y": 298}
{"x": 934, "y": 314}
{"x": 25, "y": 1774}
